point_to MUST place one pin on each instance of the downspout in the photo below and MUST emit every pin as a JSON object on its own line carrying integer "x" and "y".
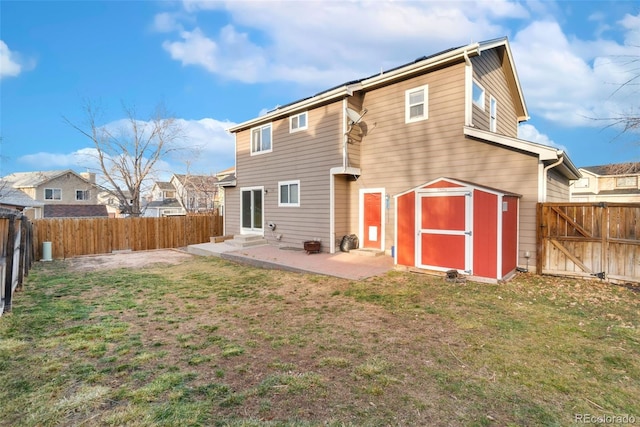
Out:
{"x": 345, "y": 138}
{"x": 546, "y": 170}
{"x": 468, "y": 78}
{"x": 332, "y": 182}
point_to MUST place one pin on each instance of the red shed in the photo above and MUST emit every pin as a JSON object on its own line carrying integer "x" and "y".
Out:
{"x": 449, "y": 224}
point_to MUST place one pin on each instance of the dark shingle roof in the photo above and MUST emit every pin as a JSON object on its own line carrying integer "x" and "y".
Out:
{"x": 75, "y": 211}
{"x": 629, "y": 168}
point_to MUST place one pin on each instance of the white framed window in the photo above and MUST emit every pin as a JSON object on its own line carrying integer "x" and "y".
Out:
{"x": 83, "y": 195}
{"x": 52, "y": 194}
{"x": 298, "y": 122}
{"x": 416, "y": 104}
{"x": 169, "y": 194}
{"x": 289, "y": 193}
{"x": 582, "y": 183}
{"x": 477, "y": 94}
{"x": 261, "y": 139}
{"x": 627, "y": 181}
{"x": 493, "y": 114}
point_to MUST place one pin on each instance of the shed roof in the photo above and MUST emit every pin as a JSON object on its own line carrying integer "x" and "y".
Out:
{"x": 462, "y": 184}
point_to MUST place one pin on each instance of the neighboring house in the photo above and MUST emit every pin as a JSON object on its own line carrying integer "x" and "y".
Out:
{"x": 226, "y": 178}
{"x": 608, "y": 183}
{"x": 115, "y": 208}
{"x": 163, "y": 201}
{"x": 196, "y": 193}
{"x": 441, "y": 130}
{"x": 11, "y": 198}
{"x": 58, "y": 188}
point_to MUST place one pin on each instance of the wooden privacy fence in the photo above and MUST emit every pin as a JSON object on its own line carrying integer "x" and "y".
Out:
{"x": 590, "y": 240}
{"x": 71, "y": 237}
{"x": 16, "y": 255}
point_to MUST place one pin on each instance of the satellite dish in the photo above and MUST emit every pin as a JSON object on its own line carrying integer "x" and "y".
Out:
{"x": 354, "y": 116}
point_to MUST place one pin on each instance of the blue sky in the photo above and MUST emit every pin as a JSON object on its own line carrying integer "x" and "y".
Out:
{"x": 214, "y": 64}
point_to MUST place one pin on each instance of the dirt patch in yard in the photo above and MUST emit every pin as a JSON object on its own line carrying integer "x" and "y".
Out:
{"x": 137, "y": 259}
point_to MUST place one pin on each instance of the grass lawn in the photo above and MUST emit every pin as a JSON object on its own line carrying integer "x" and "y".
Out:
{"x": 209, "y": 342}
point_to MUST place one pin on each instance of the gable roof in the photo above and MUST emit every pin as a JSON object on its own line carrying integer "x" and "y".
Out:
{"x": 75, "y": 211}
{"x": 163, "y": 185}
{"x": 198, "y": 182}
{"x": 37, "y": 178}
{"x": 401, "y": 72}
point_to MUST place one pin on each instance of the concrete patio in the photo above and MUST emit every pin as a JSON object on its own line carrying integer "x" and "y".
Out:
{"x": 355, "y": 265}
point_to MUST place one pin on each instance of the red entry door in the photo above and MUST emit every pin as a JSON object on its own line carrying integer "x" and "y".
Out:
{"x": 372, "y": 221}
{"x": 444, "y": 239}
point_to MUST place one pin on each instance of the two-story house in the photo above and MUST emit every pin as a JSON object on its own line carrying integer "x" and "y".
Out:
{"x": 196, "y": 193}
{"x": 163, "y": 201}
{"x": 618, "y": 183}
{"x": 421, "y": 161}
{"x": 63, "y": 193}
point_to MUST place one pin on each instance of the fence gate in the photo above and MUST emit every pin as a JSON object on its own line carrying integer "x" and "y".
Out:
{"x": 590, "y": 240}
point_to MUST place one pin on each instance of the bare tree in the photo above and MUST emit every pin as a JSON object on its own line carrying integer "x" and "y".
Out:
{"x": 197, "y": 193}
{"x": 627, "y": 121}
{"x": 128, "y": 155}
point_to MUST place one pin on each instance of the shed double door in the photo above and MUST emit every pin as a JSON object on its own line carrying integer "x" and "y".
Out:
{"x": 444, "y": 230}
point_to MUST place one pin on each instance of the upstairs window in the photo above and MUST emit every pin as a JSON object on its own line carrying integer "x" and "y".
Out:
{"x": 416, "y": 104}
{"x": 627, "y": 181}
{"x": 493, "y": 114}
{"x": 289, "y": 193}
{"x": 582, "y": 183}
{"x": 478, "y": 95}
{"x": 298, "y": 122}
{"x": 82, "y": 195}
{"x": 52, "y": 194}
{"x": 261, "y": 139}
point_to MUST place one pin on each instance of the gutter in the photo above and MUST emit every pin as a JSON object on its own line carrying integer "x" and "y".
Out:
{"x": 342, "y": 91}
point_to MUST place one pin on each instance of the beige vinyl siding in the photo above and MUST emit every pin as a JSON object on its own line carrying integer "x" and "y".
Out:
{"x": 488, "y": 71}
{"x": 398, "y": 156}
{"x": 68, "y": 184}
{"x": 557, "y": 187}
{"x": 343, "y": 209}
{"x": 307, "y": 156}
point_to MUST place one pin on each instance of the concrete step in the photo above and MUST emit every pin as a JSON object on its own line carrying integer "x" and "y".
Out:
{"x": 246, "y": 240}
{"x": 366, "y": 252}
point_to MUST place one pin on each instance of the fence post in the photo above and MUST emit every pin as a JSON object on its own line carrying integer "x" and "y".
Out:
{"x": 540, "y": 237}
{"x": 605, "y": 239}
{"x": 8, "y": 280}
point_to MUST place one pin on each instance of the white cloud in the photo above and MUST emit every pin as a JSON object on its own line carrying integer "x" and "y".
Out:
{"x": 166, "y": 22}
{"x": 9, "y": 62}
{"x": 206, "y": 147}
{"x": 573, "y": 81}
{"x": 529, "y": 132}
{"x": 195, "y": 49}
{"x": 566, "y": 79}
{"x": 326, "y": 43}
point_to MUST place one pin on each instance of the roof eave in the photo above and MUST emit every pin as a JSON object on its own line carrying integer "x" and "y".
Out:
{"x": 503, "y": 41}
{"x": 348, "y": 89}
{"x": 543, "y": 152}
{"x": 337, "y": 93}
